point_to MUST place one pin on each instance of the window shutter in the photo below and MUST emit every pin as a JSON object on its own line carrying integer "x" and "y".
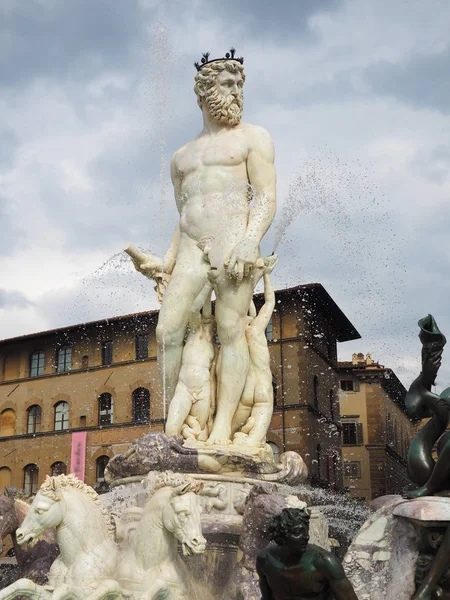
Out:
{"x": 359, "y": 434}
{"x": 356, "y": 386}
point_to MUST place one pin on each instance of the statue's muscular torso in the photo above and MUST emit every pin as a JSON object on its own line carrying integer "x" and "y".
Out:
{"x": 212, "y": 188}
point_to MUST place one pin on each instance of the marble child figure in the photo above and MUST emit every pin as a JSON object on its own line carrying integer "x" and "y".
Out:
{"x": 252, "y": 417}
{"x": 192, "y": 400}
{"x": 294, "y": 569}
{"x": 216, "y": 176}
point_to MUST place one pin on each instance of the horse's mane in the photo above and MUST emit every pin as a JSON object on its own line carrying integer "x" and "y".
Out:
{"x": 156, "y": 480}
{"x": 52, "y": 484}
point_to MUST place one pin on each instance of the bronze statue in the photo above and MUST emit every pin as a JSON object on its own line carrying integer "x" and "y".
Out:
{"x": 432, "y": 476}
{"x": 295, "y": 570}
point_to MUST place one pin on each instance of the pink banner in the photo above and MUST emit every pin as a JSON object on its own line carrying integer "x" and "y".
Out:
{"x": 78, "y": 454}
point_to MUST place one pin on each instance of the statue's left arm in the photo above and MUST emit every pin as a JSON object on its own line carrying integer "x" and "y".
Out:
{"x": 262, "y": 177}
{"x": 262, "y": 319}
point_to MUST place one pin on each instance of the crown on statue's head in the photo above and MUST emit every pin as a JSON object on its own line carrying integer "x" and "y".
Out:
{"x": 228, "y": 56}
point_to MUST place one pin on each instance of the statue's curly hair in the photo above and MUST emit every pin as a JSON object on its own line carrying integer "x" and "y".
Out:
{"x": 206, "y": 77}
{"x": 281, "y": 524}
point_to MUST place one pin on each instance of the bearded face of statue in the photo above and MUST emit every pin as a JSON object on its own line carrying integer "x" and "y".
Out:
{"x": 224, "y": 100}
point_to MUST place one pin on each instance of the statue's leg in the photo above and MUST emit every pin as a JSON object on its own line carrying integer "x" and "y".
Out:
{"x": 187, "y": 281}
{"x": 439, "y": 477}
{"x": 232, "y": 304}
{"x": 262, "y": 408}
{"x": 245, "y": 405}
{"x": 179, "y": 409}
{"x": 439, "y": 566}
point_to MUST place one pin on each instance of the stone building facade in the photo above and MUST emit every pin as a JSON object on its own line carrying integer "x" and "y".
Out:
{"x": 376, "y": 431}
{"x": 99, "y": 382}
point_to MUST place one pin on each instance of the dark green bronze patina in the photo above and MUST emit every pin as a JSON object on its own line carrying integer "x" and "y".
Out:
{"x": 432, "y": 476}
{"x": 296, "y": 570}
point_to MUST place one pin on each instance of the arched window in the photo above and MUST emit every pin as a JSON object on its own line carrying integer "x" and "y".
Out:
{"x": 100, "y": 466}
{"x": 105, "y": 409}
{"x": 58, "y": 468}
{"x": 61, "y": 416}
{"x": 319, "y": 460}
{"x": 141, "y": 405}
{"x": 275, "y": 451}
{"x": 5, "y": 477}
{"x": 30, "y": 479}
{"x": 64, "y": 359}
{"x": 316, "y": 392}
{"x": 34, "y": 419}
{"x": 37, "y": 363}
{"x": 7, "y": 422}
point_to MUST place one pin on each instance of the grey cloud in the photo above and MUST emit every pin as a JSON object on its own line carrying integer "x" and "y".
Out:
{"x": 13, "y": 300}
{"x": 421, "y": 82}
{"x": 60, "y": 38}
{"x": 8, "y": 234}
{"x": 9, "y": 143}
{"x": 283, "y": 21}
{"x": 434, "y": 165}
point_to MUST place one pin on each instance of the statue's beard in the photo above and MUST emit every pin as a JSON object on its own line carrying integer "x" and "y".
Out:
{"x": 227, "y": 111}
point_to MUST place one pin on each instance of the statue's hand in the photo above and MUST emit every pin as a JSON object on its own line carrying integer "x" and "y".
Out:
{"x": 430, "y": 366}
{"x": 150, "y": 266}
{"x": 242, "y": 259}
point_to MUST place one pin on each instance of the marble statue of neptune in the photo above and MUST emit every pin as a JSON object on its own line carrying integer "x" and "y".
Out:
{"x": 225, "y": 189}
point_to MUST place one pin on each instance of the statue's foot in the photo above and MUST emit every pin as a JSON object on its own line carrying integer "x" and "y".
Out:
{"x": 218, "y": 438}
{"x": 419, "y": 493}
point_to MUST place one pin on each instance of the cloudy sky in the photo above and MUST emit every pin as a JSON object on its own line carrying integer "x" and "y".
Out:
{"x": 97, "y": 94}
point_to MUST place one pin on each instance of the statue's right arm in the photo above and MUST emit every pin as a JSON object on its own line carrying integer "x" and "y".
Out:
{"x": 266, "y": 592}
{"x": 339, "y": 583}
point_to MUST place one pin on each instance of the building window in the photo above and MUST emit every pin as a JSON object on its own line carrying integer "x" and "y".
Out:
{"x": 34, "y": 419}
{"x": 85, "y": 361}
{"x": 58, "y": 468}
{"x": 105, "y": 409}
{"x": 37, "y": 363}
{"x": 316, "y": 392}
{"x": 141, "y": 346}
{"x": 100, "y": 466}
{"x": 5, "y": 477}
{"x": 274, "y": 389}
{"x": 7, "y": 423}
{"x": 352, "y": 434}
{"x": 107, "y": 348}
{"x": 61, "y": 416}
{"x": 141, "y": 405}
{"x": 64, "y": 360}
{"x": 269, "y": 331}
{"x": 349, "y": 385}
{"x": 352, "y": 469}
{"x": 30, "y": 479}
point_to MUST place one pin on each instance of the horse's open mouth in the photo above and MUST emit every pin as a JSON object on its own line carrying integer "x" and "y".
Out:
{"x": 31, "y": 539}
{"x": 189, "y": 550}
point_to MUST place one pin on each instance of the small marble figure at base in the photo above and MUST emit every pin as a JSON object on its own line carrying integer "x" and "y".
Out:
{"x": 294, "y": 569}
